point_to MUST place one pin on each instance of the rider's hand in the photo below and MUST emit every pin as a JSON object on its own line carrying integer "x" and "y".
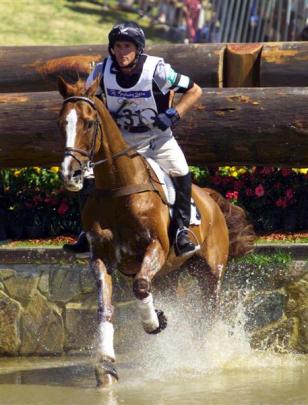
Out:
{"x": 167, "y": 119}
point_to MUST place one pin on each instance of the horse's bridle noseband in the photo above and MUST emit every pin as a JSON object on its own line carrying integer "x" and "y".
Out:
{"x": 69, "y": 151}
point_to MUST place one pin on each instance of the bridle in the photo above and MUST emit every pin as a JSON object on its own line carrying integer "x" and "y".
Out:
{"x": 122, "y": 191}
{"x": 70, "y": 151}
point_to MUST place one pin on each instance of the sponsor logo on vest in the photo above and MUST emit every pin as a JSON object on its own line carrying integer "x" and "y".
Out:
{"x": 129, "y": 94}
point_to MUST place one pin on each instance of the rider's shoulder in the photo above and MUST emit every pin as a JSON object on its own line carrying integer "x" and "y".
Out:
{"x": 99, "y": 67}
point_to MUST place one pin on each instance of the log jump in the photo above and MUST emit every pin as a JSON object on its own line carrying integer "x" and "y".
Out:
{"x": 264, "y": 122}
{"x": 35, "y": 68}
{"x": 265, "y": 126}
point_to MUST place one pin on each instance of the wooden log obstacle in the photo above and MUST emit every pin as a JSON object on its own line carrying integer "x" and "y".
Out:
{"x": 253, "y": 125}
{"x": 227, "y": 126}
{"x": 279, "y": 64}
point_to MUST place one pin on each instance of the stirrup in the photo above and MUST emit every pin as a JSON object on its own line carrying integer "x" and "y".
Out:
{"x": 189, "y": 248}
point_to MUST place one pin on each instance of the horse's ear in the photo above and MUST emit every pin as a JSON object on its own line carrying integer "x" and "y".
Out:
{"x": 65, "y": 88}
{"x": 91, "y": 91}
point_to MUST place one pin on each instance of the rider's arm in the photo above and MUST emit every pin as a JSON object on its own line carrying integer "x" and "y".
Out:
{"x": 167, "y": 79}
{"x": 188, "y": 99}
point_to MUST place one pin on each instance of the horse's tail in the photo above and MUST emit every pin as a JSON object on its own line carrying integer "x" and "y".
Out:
{"x": 241, "y": 233}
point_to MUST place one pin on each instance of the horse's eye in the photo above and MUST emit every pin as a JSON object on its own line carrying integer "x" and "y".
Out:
{"x": 89, "y": 124}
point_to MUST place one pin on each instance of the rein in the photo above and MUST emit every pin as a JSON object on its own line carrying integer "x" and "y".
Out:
{"x": 135, "y": 146}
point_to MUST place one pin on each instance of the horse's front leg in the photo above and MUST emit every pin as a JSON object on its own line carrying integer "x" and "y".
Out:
{"x": 106, "y": 374}
{"x": 153, "y": 320}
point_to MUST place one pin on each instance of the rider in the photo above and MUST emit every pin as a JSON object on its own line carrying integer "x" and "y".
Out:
{"x": 136, "y": 90}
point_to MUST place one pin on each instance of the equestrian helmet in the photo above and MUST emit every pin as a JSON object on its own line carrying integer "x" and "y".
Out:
{"x": 127, "y": 31}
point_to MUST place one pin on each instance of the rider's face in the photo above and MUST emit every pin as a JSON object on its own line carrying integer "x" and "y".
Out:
{"x": 124, "y": 52}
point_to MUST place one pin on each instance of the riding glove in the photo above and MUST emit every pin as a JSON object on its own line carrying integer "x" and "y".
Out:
{"x": 167, "y": 119}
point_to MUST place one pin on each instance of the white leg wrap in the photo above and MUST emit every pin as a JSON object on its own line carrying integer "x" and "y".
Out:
{"x": 105, "y": 343}
{"x": 148, "y": 315}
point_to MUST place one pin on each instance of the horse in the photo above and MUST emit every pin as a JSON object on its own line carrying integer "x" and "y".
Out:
{"x": 126, "y": 217}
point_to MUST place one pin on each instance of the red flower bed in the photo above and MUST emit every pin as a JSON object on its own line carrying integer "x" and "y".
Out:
{"x": 275, "y": 199}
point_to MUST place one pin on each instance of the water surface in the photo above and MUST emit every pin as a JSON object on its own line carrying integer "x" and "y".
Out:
{"x": 191, "y": 362}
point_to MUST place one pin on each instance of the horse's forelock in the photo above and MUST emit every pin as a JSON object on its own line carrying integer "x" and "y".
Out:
{"x": 79, "y": 88}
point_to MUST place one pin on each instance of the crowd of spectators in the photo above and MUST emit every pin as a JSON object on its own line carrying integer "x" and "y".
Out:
{"x": 191, "y": 21}
{"x": 184, "y": 17}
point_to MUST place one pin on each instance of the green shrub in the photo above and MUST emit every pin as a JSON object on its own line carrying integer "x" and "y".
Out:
{"x": 34, "y": 197}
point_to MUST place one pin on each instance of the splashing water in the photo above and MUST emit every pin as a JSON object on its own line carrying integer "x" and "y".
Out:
{"x": 193, "y": 343}
{"x": 196, "y": 344}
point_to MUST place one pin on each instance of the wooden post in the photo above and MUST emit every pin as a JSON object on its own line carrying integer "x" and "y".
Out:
{"x": 242, "y": 65}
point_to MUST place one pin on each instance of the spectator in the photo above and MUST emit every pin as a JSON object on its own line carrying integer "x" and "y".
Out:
{"x": 145, "y": 7}
{"x": 192, "y": 11}
{"x": 166, "y": 12}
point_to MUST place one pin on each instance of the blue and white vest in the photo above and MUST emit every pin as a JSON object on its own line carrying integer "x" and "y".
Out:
{"x": 134, "y": 108}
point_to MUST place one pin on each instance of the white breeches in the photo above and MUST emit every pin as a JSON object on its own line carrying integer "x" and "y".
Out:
{"x": 167, "y": 154}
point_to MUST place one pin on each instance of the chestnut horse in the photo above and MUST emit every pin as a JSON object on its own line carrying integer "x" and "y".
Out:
{"x": 126, "y": 218}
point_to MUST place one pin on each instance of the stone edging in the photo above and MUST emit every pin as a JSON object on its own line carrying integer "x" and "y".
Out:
{"x": 299, "y": 251}
{"x": 37, "y": 255}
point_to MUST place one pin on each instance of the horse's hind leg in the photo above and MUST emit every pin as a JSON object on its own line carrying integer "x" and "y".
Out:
{"x": 105, "y": 372}
{"x": 153, "y": 320}
{"x": 214, "y": 253}
{"x": 207, "y": 281}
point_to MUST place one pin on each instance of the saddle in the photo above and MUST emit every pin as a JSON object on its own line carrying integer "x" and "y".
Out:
{"x": 169, "y": 192}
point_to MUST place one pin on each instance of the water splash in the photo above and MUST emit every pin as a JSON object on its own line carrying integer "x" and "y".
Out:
{"x": 193, "y": 342}
{"x": 197, "y": 343}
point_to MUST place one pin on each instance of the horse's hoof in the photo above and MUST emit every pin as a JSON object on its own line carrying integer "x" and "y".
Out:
{"x": 162, "y": 319}
{"x": 105, "y": 374}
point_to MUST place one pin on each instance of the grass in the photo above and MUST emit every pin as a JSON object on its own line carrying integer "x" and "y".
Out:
{"x": 261, "y": 260}
{"x": 63, "y": 22}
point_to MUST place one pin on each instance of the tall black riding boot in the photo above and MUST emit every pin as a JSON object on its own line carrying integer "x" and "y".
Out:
{"x": 181, "y": 216}
{"x": 81, "y": 246}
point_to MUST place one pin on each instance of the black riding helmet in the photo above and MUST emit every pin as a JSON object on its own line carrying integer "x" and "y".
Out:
{"x": 127, "y": 31}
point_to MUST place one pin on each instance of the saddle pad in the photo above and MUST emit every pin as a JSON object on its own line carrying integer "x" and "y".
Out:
{"x": 169, "y": 191}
